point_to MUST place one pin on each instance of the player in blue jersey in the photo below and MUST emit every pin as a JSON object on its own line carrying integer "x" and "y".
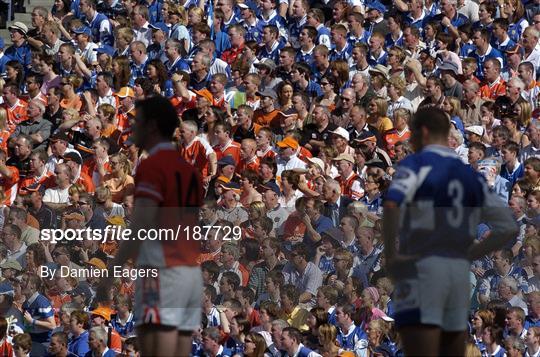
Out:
{"x": 434, "y": 205}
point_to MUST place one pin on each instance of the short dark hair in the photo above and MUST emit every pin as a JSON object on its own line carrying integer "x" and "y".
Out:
{"x": 232, "y": 279}
{"x": 294, "y": 333}
{"x": 212, "y": 268}
{"x": 160, "y": 110}
{"x": 434, "y": 119}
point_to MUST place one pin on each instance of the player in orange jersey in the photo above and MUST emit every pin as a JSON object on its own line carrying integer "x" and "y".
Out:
{"x": 168, "y": 194}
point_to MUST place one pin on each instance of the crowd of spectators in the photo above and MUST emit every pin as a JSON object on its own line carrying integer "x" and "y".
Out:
{"x": 295, "y": 113}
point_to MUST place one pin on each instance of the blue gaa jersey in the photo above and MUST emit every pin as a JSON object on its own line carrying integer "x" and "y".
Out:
{"x": 440, "y": 198}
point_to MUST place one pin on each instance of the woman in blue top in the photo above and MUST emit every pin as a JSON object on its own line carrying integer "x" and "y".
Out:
{"x": 157, "y": 73}
{"x": 374, "y": 185}
{"x": 514, "y": 11}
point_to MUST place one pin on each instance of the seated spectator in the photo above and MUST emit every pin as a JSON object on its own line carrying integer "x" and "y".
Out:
{"x": 98, "y": 341}
{"x": 122, "y": 321}
{"x": 119, "y": 181}
{"x": 78, "y": 343}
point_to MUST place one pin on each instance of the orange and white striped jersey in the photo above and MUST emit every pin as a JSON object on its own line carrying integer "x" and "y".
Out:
{"x": 196, "y": 153}
{"x": 252, "y": 164}
{"x": 16, "y": 114}
{"x": 10, "y": 185}
{"x": 232, "y": 148}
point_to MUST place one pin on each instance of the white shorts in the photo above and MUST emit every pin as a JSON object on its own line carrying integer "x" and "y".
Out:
{"x": 437, "y": 295}
{"x": 172, "y": 299}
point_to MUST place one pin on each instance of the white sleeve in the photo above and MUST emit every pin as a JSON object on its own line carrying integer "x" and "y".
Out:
{"x": 206, "y": 146}
{"x": 357, "y": 190}
{"x": 47, "y": 197}
{"x": 105, "y": 27}
{"x": 325, "y": 40}
{"x": 91, "y": 55}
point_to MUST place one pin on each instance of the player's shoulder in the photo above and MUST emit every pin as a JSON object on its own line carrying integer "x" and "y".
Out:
{"x": 164, "y": 158}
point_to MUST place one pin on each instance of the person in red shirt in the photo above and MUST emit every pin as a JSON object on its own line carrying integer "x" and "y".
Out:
{"x": 248, "y": 156}
{"x": 16, "y": 108}
{"x": 9, "y": 179}
{"x": 74, "y": 161}
{"x": 236, "y": 35}
{"x": 494, "y": 86}
{"x": 168, "y": 194}
{"x": 6, "y": 348}
{"x": 197, "y": 151}
{"x": 226, "y": 146}
{"x": 349, "y": 181}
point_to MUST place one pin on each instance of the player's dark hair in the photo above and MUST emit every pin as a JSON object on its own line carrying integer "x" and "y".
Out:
{"x": 160, "y": 110}
{"x": 433, "y": 119}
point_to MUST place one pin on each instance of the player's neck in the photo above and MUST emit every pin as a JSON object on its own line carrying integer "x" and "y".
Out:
{"x": 152, "y": 142}
{"x": 435, "y": 141}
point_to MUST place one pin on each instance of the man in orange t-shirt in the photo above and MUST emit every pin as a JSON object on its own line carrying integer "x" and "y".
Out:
{"x": 74, "y": 161}
{"x": 248, "y": 156}
{"x": 15, "y": 107}
{"x": 494, "y": 86}
{"x": 267, "y": 113}
{"x": 197, "y": 151}
{"x": 226, "y": 145}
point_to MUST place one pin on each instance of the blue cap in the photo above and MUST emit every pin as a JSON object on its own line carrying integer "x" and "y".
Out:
{"x": 226, "y": 160}
{"x": 105, "y": 49}
{"x": 376, "y": 5}
{"x": 270, "y": 185}
{"x": 160, "y": 26}
{"x": 85, "y": 30}
{"x": 6, "y": 289}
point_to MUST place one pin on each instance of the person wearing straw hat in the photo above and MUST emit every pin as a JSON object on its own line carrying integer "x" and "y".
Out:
{"x": 349, "y": 180}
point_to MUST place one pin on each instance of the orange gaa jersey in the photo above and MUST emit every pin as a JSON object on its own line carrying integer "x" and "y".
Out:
{"x": 176, "y": 188}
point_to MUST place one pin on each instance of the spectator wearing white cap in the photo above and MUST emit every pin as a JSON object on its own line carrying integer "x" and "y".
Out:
{"x": 474, "y": 133}
{"x": 340, "y": 140}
